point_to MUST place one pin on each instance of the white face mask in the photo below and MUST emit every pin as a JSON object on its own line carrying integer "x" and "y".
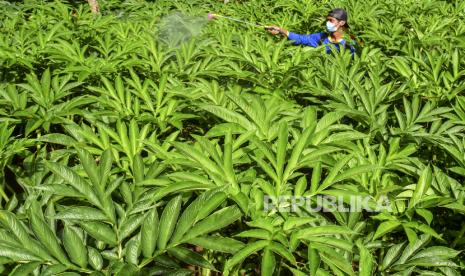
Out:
{"x": 331, "y": 27}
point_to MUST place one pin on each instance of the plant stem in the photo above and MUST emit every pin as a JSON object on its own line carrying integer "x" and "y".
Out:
{"x": 459, "y": 236}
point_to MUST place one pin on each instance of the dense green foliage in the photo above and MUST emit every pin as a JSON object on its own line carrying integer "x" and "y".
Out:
{"x": 126, "y": 153}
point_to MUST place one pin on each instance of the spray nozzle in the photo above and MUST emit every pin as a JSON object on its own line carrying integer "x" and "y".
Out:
{"x": 212, "y": 16}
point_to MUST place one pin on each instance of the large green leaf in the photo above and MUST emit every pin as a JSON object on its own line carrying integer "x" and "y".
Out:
{"x": 75, "y": 246}
{"x": 168, "y": 220}
{"x": 244, "y": 253}
{"x": 149, "y": 232}
{"x": 215, "y": 221}
{"x": 187, "y": 256}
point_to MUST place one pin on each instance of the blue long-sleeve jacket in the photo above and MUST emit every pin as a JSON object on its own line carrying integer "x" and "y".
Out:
{"x": 317, "y": 39}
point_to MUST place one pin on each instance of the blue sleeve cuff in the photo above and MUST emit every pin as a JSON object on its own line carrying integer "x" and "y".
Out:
{"x": 293, "y": 36}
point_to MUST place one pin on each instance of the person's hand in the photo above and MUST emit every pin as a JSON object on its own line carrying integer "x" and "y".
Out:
{"x": 274, "y": 30}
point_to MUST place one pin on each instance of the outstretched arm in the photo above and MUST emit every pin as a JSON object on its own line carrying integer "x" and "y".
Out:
{"x": 309, "y": 40}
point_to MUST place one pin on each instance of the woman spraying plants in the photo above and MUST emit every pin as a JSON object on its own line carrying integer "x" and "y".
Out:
{"x": 336, "y": 35}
